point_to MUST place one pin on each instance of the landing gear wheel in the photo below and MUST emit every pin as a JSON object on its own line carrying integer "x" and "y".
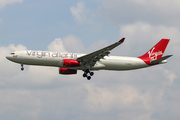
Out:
{"x": 22, "y": 69}
{"x": 91, "y": 73}
{"x": 88, "y": 74}
{"x": 89, "y": 77}
{"x": 87, "y": 71}
{"x": 84, "y": 75}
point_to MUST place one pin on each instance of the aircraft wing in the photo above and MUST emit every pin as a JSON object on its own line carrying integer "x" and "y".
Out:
{"x": 93, "y": 57}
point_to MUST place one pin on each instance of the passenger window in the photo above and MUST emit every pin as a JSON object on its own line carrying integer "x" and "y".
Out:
{"x": 12, "y": 53}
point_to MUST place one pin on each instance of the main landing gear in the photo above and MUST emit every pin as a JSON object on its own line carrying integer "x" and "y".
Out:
{"x": 22, "y": 68}
{"x": 86, "y": 74}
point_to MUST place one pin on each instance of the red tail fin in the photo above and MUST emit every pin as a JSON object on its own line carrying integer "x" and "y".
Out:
{"x": 157, "y": 51}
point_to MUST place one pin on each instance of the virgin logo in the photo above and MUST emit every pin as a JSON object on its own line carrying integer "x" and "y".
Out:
{"x": 15, "y": 56}
{"x": 154, "y": 55}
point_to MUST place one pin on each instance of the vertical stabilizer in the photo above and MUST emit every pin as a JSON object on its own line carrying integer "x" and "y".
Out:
{"x": 157, "y": 51}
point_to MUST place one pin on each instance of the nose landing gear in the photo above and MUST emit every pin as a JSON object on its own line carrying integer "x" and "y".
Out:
{"x": 22, "y": 68}
{"x": 86, "y": 74}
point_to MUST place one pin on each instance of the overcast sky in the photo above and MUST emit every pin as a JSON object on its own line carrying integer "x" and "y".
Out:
{"x": 40, "y": 93}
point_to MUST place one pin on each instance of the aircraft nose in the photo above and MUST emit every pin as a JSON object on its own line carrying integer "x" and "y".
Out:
{"x": 8, "y": 57}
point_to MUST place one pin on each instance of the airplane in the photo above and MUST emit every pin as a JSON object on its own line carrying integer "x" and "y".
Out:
{"x": 69, "y": 63}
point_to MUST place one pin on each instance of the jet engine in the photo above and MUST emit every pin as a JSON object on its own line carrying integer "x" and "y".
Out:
{"x": 71, "y": 63}
{"x": 66, "y": 71}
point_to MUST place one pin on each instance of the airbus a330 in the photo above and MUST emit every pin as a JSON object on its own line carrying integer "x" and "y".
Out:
{"x": 69, "y": 63}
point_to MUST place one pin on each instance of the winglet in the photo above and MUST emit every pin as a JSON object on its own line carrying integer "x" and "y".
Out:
{"x": 122, "y": 40}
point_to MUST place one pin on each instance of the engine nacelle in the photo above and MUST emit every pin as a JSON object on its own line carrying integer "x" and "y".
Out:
{"x": 71, "y": 63}
{"x": 66, "y": 71}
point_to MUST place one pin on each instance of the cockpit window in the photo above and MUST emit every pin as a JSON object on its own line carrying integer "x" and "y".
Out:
{"x": 12, "y": 53}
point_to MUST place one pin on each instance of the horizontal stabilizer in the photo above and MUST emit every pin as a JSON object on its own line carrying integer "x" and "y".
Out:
{"x": 160, "y": 59}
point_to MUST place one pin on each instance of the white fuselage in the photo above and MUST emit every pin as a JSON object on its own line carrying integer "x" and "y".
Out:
{"x": 46, "y": 58}
{"x": 69, "y": 63}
